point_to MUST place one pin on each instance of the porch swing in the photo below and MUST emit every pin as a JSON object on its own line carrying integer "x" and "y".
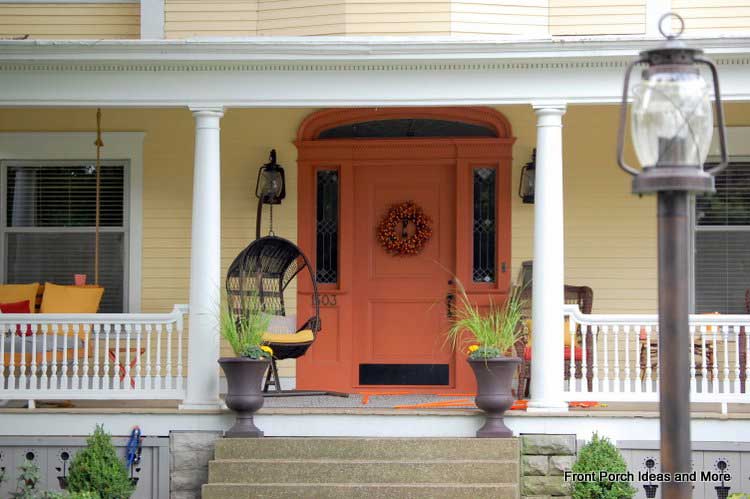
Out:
{"x": 257, "y": 279}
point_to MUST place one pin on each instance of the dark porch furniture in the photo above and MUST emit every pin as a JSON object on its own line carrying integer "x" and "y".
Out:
{"x": 583, "y": 296}
{"x": 261, "y": 273}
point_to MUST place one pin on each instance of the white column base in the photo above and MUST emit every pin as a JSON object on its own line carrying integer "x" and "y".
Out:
{"x": 202, "y": 406}
{"x": 541, "y": 406}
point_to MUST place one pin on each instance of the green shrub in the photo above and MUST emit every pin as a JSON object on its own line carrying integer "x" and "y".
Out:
{"x": 739, "y": 495}
{"x": 26, "y": 482}
{"x": 97, "y": 468}
{"x": 600, "y": 455}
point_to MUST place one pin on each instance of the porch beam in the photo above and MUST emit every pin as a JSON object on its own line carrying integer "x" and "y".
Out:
{"x": 205, "y": 264}
{"x": 548, "y": 277}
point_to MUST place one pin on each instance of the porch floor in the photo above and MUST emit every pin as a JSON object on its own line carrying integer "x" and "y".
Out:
{"x": 375, "y": 404}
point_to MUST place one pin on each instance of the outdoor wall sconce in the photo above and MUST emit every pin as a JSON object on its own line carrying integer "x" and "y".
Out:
{"x": 270, "y": 188}
{"x": 526, "y": 185}
{"x": 672, "y": 126}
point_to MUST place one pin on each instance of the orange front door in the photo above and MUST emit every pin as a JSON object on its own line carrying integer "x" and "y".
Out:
{"x": 399, "y": 303}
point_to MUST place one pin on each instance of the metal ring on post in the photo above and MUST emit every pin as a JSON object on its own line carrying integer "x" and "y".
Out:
{"x": 671, "y": 15}
{"x": 623, "y": 119}
{"x": 719, "y": 118}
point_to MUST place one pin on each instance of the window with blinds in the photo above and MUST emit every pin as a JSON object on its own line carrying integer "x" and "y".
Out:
{"x": 48, "y": 225}
{"x": 722, "y": 239}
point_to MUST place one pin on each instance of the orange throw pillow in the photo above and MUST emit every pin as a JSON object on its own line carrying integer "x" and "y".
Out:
{"x": 71, "y": 299}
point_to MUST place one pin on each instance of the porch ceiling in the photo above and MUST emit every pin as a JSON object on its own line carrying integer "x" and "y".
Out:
{"x": 335, "y": 71}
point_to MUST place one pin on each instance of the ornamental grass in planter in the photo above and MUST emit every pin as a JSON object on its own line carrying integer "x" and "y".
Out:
{"x": 243, "y": 330}
{"x": 490, "y": 337}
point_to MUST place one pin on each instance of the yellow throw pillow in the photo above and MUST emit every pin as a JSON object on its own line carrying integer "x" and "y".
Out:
{"x": 71, "y": 299}
{"x": 12, "y": 293}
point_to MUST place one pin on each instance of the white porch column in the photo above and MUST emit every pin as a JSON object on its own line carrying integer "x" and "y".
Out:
{"x": 548, "y": 277}
{"x": 205, "y": 264}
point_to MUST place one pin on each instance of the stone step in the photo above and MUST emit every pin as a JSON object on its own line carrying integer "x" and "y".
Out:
{"x": 367, "y": 448}
{"x": 360, "y": 471}
{"x": 359, "y": 490}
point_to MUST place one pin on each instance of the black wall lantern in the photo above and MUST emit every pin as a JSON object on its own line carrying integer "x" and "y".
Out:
{"x": 672, "y": 125}
{"x": 270, "y": 188}
{"x": 526, "y": 185}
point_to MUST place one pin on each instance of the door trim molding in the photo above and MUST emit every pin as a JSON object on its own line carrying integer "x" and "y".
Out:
{"x": 342, "y": 154}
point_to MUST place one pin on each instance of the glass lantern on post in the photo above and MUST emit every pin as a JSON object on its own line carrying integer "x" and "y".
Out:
{"x": 672, "y": 126}
{"x": 270, "y": 188}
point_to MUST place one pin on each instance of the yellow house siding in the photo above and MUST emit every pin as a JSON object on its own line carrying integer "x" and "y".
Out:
{"x": 70, "y": 20}
{"x": 597, "y": 17}
{"x": 718, "y": 16}
{"x": 500, "y": 17}
{"x": 301, "y": 17}
{"x": 192, "y": 18}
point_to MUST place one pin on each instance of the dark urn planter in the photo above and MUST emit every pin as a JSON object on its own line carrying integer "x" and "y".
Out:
{"x": 494, "y": 396}
{"x": 650, "y": 490}
{"x": 244, "y": 395}
{"x": 722, "y": 492}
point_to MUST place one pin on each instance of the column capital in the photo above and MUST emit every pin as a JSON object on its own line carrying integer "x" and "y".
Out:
{"x": 208, "y": 111}
{"x": 549, "y": 108}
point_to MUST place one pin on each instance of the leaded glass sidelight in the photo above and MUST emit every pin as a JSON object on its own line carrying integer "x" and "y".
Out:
{"x": 327, "y": 226}
{"x": 484, "y": 268}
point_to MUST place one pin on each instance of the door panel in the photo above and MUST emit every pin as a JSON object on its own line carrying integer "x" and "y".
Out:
{"x": 399, "y": 301}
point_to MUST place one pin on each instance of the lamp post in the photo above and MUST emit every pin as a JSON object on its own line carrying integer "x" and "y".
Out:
{"x": 672, "y": 125}
{"x": 270, "y": 188}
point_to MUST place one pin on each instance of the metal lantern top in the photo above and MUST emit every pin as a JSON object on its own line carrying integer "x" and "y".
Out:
{"x": 671, "y": 118}
{"x": 270, "y": 187}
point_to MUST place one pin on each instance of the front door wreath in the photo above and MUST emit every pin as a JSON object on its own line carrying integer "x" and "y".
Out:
{"x": 405, "y": 229}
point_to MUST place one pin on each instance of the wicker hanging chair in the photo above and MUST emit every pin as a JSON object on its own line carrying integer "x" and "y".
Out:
{"x": 263, "y": 270}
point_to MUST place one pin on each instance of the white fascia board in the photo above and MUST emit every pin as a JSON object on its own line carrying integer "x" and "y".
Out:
{"x": 335, "y": 71}
{"x": 350, "y": 49}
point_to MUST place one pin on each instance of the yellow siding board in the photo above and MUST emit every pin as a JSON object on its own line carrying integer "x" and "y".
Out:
{"x": 597, "y": 17}
{"x": 211, "y": 26}
{"x": 307, "y": 17}
{"x": 200, "y": 7}
{"x": 70, "y": 21}
{"x": 249, "y": 15}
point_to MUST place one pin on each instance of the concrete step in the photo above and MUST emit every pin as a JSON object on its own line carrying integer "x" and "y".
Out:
{"x": 359, "y": 490}
{"x": 367, "y": 448}
{"x": 362, "y": 471}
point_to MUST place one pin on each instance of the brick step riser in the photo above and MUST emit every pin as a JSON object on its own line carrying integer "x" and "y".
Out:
{"x": 463, "y": 472}
{"x": 328, "y": 491}
{"x": 365, "y": 448}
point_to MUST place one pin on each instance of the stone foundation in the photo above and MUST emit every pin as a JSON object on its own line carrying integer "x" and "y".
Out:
{"x": 190, "y": 452}
{"x": 544, "y": 458}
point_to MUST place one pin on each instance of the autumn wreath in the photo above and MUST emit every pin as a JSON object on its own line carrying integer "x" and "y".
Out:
{"x": 394, "y": 234}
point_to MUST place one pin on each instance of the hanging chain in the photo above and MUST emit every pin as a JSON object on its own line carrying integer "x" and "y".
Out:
{"x": 270, "y": 221}
{"x": 99, "y": 143}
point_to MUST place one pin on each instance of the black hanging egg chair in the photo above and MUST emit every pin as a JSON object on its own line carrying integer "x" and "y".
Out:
{"x": 262, "y": 271}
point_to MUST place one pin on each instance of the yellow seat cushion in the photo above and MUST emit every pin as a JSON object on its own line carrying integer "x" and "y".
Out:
{"x": 70, "y": 299}
{"x": 12, "y": 293}
{"x": 304, "y": 336}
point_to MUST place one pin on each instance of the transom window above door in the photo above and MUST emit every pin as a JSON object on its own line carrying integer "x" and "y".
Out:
{"x": 48, "y": 224}
{"x": 406, "y": 127}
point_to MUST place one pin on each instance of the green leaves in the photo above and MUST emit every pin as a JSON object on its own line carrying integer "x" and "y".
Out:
{"x": 596, "y": 456}
{"x": 97, "y": 468}
{"x": 495, "y": 332}
{"x": 244, "y": 329}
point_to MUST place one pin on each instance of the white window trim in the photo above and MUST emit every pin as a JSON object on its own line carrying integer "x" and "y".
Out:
{"x": 738, "y": 145}
{"x": 80, "y": 145}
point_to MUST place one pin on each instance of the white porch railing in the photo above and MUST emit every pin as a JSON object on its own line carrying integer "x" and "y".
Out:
{"x": 618, "y": 357}
{"x": 92, "y": 356}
